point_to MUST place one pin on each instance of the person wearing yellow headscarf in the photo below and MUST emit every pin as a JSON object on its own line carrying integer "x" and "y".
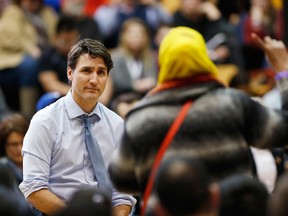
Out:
{"x": 183, "y": 59}
{"x": 219, "y": 126}
{"x": 183, "y": 54}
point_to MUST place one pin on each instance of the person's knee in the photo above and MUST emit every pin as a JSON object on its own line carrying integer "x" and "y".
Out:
{"x": 29, "y": 69}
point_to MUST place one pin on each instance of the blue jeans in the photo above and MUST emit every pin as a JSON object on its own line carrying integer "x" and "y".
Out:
{"x": 25, "y": 74}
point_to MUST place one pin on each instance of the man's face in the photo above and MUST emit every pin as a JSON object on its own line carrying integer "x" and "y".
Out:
{"x": 88, "y": 80}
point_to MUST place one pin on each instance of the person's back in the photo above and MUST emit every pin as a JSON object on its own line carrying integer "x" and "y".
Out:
{"x": 219, "y": 127}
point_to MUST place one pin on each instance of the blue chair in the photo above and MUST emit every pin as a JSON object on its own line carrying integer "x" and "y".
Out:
{"x": 47, "y": 99}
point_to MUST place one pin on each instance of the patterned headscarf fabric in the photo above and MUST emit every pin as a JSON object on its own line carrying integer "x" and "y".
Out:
{"x": 183, "y": 54}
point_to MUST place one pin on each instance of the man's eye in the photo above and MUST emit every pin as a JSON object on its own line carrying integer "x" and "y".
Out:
{"x": 101, "y": 72}
{"x": 86, "y": 70}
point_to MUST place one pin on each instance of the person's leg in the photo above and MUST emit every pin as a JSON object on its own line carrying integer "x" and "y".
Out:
{"x": 9, "y": 83}
{"x": 3, "y": 105}
{"x": 29, "y": 86}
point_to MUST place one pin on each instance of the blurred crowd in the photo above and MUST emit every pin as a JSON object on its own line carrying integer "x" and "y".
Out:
{"x": 36, "y": 36}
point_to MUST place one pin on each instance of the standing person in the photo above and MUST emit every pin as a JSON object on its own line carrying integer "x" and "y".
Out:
{"x": 56, "y": 161}
{"x": 220, "y": 123}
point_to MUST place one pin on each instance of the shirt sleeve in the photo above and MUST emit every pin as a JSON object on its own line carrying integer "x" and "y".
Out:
{"x": 122, "y": 199}
{"x": 36, "y": 151}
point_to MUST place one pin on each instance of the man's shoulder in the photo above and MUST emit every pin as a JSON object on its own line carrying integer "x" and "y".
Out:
{"x": 51, "y": 111}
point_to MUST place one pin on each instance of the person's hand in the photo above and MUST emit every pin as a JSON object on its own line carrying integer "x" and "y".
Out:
{"x": 144, "y": 84}
{"x": 219, "y": 54}
{"x": 275, "y": 51}
{"x": 211, "y": 11}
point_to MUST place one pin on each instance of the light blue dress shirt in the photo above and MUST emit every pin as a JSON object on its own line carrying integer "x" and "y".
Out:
{"x": 54, "y": 152}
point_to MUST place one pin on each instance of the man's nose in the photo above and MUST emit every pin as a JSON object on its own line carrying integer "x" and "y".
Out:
{"x": 93, "y": 77}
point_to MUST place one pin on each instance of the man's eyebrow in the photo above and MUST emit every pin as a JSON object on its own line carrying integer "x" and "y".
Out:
{"x": 102, "y": 67}
{"x": 87, "y": 67}
{"x": 93, "y": 67}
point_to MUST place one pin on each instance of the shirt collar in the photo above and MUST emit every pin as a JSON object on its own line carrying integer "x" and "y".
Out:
{"x": 74, "y": 110}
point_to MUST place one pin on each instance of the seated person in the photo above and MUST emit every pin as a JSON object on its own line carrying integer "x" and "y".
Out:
{"x": 135, "y": 67}
{"x": 13, "y": 127}
{"x": 53, "y": 62}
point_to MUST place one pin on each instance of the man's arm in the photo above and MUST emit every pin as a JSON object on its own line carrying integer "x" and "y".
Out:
{"x": 46, "y": 202}
{"x": 121, "y": 210}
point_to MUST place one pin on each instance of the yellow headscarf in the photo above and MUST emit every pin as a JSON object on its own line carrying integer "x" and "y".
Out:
{"x": 183, "y": 54}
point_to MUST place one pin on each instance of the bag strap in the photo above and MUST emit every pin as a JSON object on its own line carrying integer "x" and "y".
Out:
{"x": 164, "y": 145}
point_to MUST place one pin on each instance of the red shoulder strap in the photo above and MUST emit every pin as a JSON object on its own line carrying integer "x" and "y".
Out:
{"x": 164, "y": 145}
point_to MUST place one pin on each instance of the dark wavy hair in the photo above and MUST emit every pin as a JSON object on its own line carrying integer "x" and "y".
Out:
{"x": 91, "y": 47}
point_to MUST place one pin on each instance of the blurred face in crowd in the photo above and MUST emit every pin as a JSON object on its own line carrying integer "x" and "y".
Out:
{"x": 191, "y": 7}
{"x": 135, "y": 37}
{"x": 33, "y": 6}
{"x": 73, "y": 7}
{"x": 13, "y": 147}
{"x": 264, "y": 4}
{"x": 65, "y": 40}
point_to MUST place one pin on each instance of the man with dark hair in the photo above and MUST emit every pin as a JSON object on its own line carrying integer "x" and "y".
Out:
{"x": 65, "y": 138}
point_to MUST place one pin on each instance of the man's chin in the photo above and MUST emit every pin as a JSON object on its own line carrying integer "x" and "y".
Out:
{"x": 91, "y": 96}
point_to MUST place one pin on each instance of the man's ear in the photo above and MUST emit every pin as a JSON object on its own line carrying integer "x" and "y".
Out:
{"x": 215, "y": 196}
{"x": 69, "y": 74}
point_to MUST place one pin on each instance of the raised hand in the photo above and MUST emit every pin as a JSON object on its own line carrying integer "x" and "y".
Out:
{"x": 275, "y": 51}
